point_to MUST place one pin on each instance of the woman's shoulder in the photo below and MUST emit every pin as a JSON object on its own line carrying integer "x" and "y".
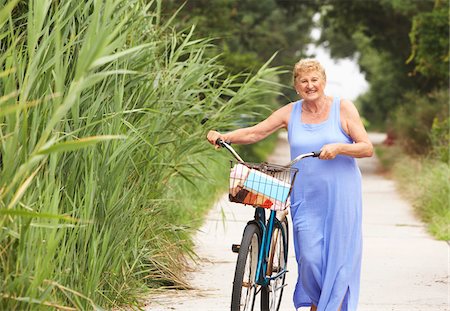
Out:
{"x": 345, "y": 103}
{"x": 284, "y": 113}
{"x": 347, "y": 107}
{"x": 349, "y": 115}
{"x": 291, "y": 105}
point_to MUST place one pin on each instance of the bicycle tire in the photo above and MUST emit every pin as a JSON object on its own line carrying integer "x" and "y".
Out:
{"x": 271, "y": 300}
{"x": 244, "y": 283}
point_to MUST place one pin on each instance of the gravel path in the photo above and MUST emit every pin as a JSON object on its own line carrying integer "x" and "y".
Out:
{"x": 404, "y": 269}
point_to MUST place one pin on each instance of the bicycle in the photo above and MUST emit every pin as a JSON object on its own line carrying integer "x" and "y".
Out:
{"x": 261, "y": 264}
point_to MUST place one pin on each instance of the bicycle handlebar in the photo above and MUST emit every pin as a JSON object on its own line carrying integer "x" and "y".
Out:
{"x": 227, "y": 145}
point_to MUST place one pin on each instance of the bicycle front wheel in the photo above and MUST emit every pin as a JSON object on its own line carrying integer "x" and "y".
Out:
{"x": 244, "y": 284}
{"x": 272, "y": 293}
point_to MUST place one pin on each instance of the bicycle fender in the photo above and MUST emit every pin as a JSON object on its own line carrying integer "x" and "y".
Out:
{"x": 258, "y": 223}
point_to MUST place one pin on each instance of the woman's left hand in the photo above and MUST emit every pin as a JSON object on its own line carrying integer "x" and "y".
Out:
{"x": 329, "y": 152}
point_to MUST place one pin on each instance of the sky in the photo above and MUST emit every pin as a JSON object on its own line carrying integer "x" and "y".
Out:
{"x": 343, "y": 76}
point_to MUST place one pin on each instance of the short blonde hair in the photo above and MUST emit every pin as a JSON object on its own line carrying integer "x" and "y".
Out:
{"x": 307, "y": 65}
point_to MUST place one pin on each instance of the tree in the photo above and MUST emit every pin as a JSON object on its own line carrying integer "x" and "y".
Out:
{"x": 430, "y": 43}
{"x": 403, "y": 47}
{"x": 396, "y": 48}
{"x": 249, "y": 32}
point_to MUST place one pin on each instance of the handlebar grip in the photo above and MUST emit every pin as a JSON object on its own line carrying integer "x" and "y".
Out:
{"x": 316, "y": 154}
{"x": 220, "y": 142}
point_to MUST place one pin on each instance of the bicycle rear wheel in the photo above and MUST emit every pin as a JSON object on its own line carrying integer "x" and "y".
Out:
{"x": 272, "y": 293}
{"x": 244, "y": 284}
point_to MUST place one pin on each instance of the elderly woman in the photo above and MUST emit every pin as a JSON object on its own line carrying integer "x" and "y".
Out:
{"x": 326, "y": 202}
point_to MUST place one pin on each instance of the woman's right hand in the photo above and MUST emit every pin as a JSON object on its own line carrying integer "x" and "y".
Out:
{"x": 213, "y": 136}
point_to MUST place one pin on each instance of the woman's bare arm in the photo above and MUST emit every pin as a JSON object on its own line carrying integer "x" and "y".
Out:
{"x": 249, "y": 135}
{"x": 353, "y": 126}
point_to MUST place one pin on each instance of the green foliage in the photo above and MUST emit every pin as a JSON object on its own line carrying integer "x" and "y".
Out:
{"x": 381, "y": 70}
{"x": 386, "y": 23}
{"x": 414, "y": 120}
{"x": 259, "y": 151}
{"x": 440, "y": 139}
{"x": 430, "y": 43}
{"x": 102, "y": 150}
{"x": 384, "y": 34}
{"x": 249, "y": 32}
{"x": 429, "y": 193}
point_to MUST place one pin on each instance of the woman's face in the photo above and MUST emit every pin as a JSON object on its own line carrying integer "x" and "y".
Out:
{"x": 310, "y": 85}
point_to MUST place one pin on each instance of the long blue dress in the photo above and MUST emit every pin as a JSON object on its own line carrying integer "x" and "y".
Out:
{"x": 326, "y": 210}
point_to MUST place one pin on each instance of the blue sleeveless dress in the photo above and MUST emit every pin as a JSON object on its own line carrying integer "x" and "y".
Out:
{"x": 326, "y": 210}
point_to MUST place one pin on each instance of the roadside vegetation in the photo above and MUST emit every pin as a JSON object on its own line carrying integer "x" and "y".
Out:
{"x": 419, "y": 160}
{"x": 425, "y": 183}
{"x": 105, "y": 170}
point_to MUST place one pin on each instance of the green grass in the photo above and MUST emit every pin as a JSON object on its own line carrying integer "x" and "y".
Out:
{"x": 424, "y": 182}
{"x": 105, "y": 168}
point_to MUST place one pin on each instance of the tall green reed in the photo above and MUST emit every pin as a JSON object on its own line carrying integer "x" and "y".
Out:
{"x": 103, "y": 153}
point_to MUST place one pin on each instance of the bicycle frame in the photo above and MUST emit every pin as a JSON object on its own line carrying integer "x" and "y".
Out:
{"x": 266, "y": 229}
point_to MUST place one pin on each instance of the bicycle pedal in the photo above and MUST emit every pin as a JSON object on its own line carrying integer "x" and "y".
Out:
{"x": 235, "y": 248}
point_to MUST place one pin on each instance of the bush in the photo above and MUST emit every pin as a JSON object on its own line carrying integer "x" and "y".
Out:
{"x": 413, "y": 121}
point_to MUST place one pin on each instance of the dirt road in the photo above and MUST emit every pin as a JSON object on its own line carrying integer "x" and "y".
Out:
{"x": 404, "y": 269}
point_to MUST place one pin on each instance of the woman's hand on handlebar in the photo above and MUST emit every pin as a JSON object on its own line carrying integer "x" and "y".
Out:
{"x": 329, "y": 152}
{"x": 213, "y": 136}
